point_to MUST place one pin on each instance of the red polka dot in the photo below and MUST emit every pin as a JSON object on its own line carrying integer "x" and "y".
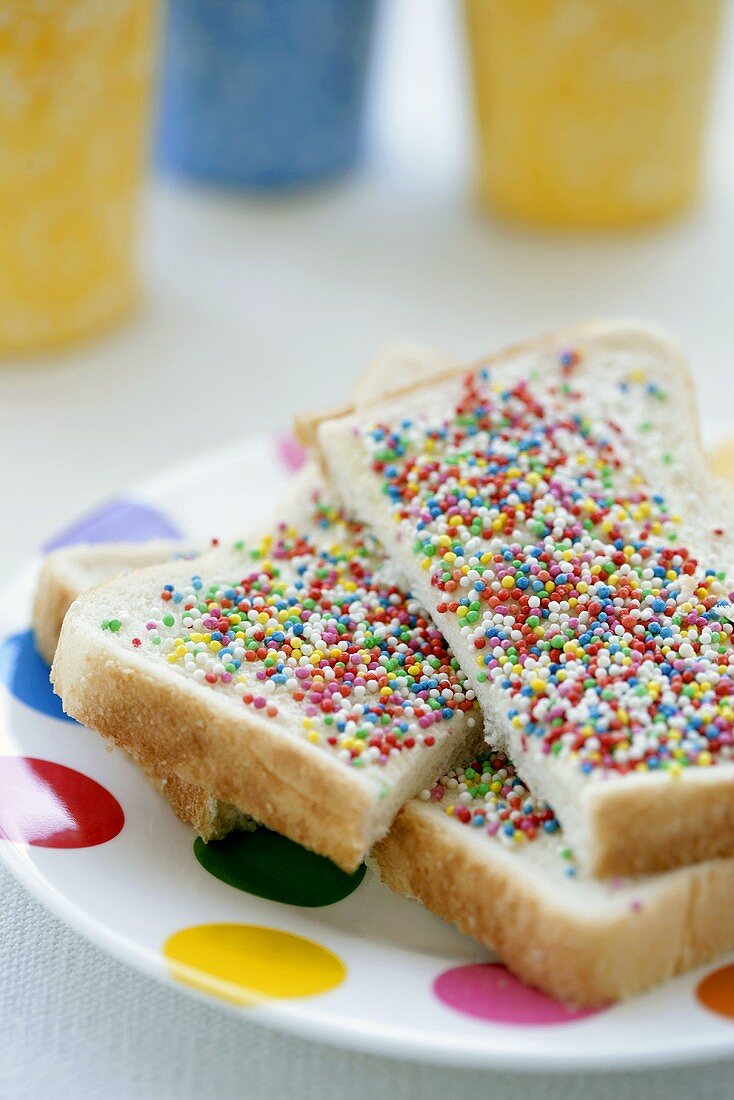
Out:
{"x": 488, "y": 991}
{"x": 49, "y": 805}
{"x": 716, "y": 991}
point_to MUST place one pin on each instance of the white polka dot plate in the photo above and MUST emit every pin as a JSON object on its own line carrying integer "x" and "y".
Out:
{"x": 283, "y": 939}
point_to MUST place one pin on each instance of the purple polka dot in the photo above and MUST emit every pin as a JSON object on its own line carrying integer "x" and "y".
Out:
{"x": 116, "y": 521}
{"x": 488, "y": 991}
{"x": 290, "y": 453}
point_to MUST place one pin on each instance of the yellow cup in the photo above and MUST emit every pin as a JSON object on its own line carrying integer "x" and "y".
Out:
{"x": 74, "y": 93}
{"x": 591, "y": 112}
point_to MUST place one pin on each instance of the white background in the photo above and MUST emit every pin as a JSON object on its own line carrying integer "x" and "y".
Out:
{"x": 254, "y": 309}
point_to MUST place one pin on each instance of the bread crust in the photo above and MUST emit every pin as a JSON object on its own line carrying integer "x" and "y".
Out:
{"x": 194, "y": 805}
{"x": 652, "y": 823}
{"x": 685, "y": 919}
{"x": 52, "y": 598}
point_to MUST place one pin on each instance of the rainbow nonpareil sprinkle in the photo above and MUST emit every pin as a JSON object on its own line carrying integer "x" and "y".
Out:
{"x": 489, "y": 795}
{"x": 311, "y": 630}
{"x": 565, "y": 572}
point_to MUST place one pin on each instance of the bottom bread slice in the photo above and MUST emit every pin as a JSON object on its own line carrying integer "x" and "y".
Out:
{"x": 479, "y": 851}
{"x": 210, "y": 816}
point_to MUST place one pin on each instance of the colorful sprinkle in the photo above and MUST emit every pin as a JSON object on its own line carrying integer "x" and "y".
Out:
{"x": 488, "y": 794}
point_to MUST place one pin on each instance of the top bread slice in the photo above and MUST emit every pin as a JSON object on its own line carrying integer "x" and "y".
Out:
{"x": 288, "y": 675}
{"x": 553, "y": 510}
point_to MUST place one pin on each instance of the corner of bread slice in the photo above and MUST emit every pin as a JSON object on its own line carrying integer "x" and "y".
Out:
{"x": 70, "y": 570}
{"x": 649, "y": 822}
{"x": 634, "y": 823}
{"x": 54, "y": 593}
{"x": 584, "y": 942}
{"x": 262, "y": 767}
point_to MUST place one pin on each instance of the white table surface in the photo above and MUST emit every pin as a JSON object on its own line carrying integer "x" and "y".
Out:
{"x": 266, "y": 306}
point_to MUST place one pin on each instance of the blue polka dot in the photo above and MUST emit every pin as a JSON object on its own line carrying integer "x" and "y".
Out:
{"x": 26, "y": 675}
{"x": 117, "y": 521}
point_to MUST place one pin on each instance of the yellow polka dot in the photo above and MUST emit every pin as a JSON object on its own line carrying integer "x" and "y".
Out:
{"x": 245, "y": 964}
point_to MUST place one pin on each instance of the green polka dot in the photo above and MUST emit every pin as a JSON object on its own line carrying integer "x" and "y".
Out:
{"x": 273, "y": 867}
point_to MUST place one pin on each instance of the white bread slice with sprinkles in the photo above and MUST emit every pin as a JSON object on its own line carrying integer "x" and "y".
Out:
{"x": 583, "y": 941}
{"x": 289, "y": 676}
{"x": 553, "y": 510}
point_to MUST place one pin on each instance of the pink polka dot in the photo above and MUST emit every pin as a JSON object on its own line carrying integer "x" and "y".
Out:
{"x": 488, "y": 991}
{"x": 48, "y": 805}
{"x": 291, "y": 454}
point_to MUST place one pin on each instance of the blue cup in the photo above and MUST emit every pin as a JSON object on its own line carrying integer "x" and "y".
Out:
{"x": 263, "y": 93}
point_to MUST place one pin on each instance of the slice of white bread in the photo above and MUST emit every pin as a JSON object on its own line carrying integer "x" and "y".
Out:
{"x": 641, "y": 775}
{"x": 138, "y": 659}
{"x": 580, "y": 940}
